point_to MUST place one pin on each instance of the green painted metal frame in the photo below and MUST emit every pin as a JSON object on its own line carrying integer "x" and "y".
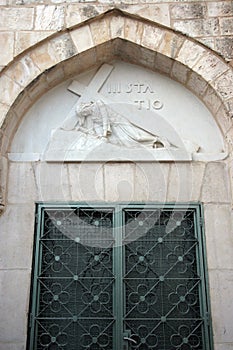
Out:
{"x": 117, "y": 262}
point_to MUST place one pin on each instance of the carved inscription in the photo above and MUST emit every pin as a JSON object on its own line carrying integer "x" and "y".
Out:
{"x": 139, "y": 88}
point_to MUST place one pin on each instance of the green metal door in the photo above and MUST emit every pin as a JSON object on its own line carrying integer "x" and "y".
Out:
{"x": 119, "y": 278}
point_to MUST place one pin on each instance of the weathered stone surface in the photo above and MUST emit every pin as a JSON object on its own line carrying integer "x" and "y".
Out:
{"x": 157, "y": 12}
{"x": 117, "y": 27}
{"x": 82, "y": 38}
{"x": 208, "y": 42}
{"x": 170, "y": 44}
{"x": 163, "y": 64}
{"x": 119, "y": 181}
{"x": 210, "y": 67}
{"x": 7, "y": 47}
{"x": 16, "y": 236}
{"x": 64, "y": 47}
{"x": 224, "y": 85}
{"x": 184, "y": 53}
{"x": 49, "y": 17}
{"x": 83, "y": 190}
{"x": 100, "y": 31}
{"x": 216, "y": 183}
{"x": 223, "y": 346}
{"x": 211, "y": 99}
{"x": 14, "y": 296}
{"x": 226, "y": 26}
{"x": 198, "y": 27}
{"x": 196, "y": 84}
{"x": 44, "y": 56}
{"x": 24, "y": 39}
{"x": 16, "y": 18}
{"x": 9, "y": 90}
{"x": 224, "y": 46}
{"x": 185, "y": 181}
{"x": 3, "y": 110}
{"x": 133, "y": 30}
{"x": 151, "y": 36}
{"x": 151, "y": 182}
{"x": 223, "y": 119}
{"x": 24, "y": 71}
{"x": 220, "y": 8}
{"x": 21, "y": 185}
{"x": 221, "y": 285}
{"x": 3, "y": 181}
{"x": 179, "y": 72}
{"x": 219, "y": 238}
{"x": 185, "y": 11}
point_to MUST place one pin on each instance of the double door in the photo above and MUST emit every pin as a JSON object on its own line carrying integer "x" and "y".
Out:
{"x": 119, "y": 278}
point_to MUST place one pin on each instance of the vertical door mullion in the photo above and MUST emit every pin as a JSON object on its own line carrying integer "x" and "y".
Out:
{"x": 117, "y": 269}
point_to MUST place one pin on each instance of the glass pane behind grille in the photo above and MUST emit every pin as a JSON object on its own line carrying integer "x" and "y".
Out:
{"x": 162, "y": 282}
{"x": 75, "y": 283}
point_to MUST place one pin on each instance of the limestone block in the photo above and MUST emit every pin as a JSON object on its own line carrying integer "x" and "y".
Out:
{"x": 3, "y": 111}
{"x": 151, "y": 37}
{"x": 16, "y": 18}
{"x": 78, "y": 64}
{"x": 224, "y": 45}
{"x": 147, "y": 58}
{"x": 210, "y": 67}
{"x": 198, "y": 27}
{"x": 55, "y": 76}
{"x": 12, "y": 346}
{"x": 119, "y": 181}
{"x": 21, "y": 183}
{"x": 104, "y": 53}
{"x": 224, "y": 84}
{"x": 221, "y": 285}
{"x": 22, "y": 104}
{"x": 221, "y": 8}
{"x": 223, "y": 119}
{"x": 9, "y": 90}
{"x": 3, "y": 180}
{"x": 216, "y": 183}
{"x": 170, "y": 44}
{"x": 156, "y": 12}
{"x": 49, "y": 17}
{"x": 207, "y": 41}
{"x": 196, "y": 84}
{"x": 133, "y": 30}
{"x": 100, "y": 31}
{"x": 64, "y": 47}
{"x": 163, "y": 63}
{"x": 151, "y": 182}
{"x": 86, "y": 182}
{"x": 184, "y": 11}
{"x": 52, "y": 182}
{"x": 188, "y": 59}
{"x": 223, "y": 346}
{"x": 16, "y": 235}
{"x": 179, "y": 72}
{"x": 226, "y": 26}
{"x": 219, "y": 238}
{"x": 44, "y": 56}
{"x": 14, "y": 296}
{"x": 72, "y": 15}
{"x": 24, "y": 39}
{"x": 211, "y": 99}
{"x": 38, "y": 87}
{"x": 117, "y": 27}
{"x": 185, "y": 181}
{"x": 7, "y": 47}
{"x": 82, "y": 38}
{"x": 229, "y": 107}
{"x": 24, "y": 71}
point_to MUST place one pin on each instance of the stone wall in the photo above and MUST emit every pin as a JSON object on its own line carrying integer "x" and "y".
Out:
{"x": 26, "y": 22}
{"x": 158, "y": 182}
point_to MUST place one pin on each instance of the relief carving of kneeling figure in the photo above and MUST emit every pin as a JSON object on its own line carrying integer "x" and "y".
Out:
{"x": 97, "y": 123}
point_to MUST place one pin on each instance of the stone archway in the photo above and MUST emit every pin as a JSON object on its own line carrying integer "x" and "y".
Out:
{"x": 114, "y": 34}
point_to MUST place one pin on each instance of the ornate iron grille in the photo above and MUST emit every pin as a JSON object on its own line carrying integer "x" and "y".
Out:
{"x": 119, "y": 278}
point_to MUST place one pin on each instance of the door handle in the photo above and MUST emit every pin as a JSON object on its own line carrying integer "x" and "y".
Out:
{"x": 130, "y": 340}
